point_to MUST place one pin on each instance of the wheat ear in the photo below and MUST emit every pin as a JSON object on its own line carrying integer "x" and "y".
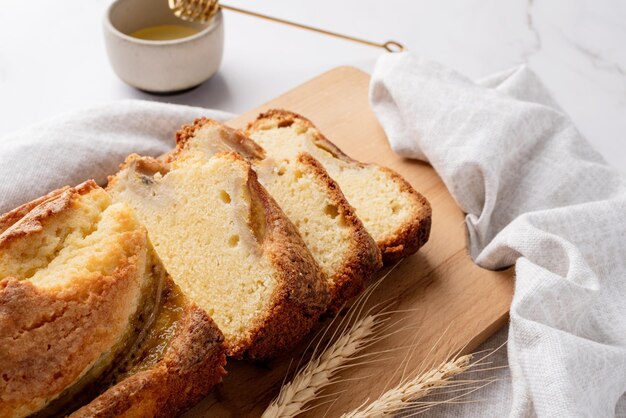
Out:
{"x": 401, "y": 397}
{"x": 322, "y": 369}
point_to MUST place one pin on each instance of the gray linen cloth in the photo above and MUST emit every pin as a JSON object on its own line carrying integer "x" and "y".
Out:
{"x": 537, "y": 196}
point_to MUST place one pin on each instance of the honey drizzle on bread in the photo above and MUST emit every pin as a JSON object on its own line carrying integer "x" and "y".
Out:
{"x": 177, "y": 365}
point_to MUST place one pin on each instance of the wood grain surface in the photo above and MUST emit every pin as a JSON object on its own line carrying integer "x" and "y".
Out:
{"x": 449, "y": 304}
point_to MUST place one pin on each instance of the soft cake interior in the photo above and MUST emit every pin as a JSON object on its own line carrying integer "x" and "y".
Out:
{"x": 377, "y": 199}
{"x": 77, "y": 240}
{"x": 208, "y": 230}
{"x": 297, "y": 189}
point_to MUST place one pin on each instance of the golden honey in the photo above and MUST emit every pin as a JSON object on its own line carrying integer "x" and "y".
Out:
{"x": 164, "y": 32}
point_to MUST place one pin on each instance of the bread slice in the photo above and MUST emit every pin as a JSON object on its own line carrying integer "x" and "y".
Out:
{"x": 228, "y": 246}
{"x": 392, "y": 211}
{"x": 337, "y": 239}
{"x": 80, "y": 286}
{"x": 173, "y": 368}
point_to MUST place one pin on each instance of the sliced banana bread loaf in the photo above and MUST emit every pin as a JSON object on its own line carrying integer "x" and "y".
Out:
{"x": 228, "y": 246}
{"x": 392, "y": 211}
{"x": 337, "y": 239}
{"x": 80, "y": 287}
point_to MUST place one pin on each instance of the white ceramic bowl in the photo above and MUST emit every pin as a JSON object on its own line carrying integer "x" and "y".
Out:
{"x": 160, "y": 66}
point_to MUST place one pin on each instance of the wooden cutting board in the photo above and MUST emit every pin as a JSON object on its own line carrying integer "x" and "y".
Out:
{"x": 453, "y": 304}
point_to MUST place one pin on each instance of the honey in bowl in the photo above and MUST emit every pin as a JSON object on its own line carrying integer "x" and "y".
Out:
{"x": 164, "y": 32}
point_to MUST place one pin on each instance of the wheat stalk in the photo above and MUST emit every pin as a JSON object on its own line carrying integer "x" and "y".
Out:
{"x": 401, "y": 396}
{"x": 341, "y": 352}
{"x": 322, "y": 369}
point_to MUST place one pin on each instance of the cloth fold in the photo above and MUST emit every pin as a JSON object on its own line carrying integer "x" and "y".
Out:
{"x": 537, "y": 196}
{"x": 87, "y": 144}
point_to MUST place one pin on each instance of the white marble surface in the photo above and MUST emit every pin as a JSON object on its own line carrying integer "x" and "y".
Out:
{"x": 52, "y": 57}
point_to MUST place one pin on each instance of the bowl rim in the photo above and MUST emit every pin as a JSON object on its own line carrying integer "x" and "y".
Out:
{"x": 211, "y": 25}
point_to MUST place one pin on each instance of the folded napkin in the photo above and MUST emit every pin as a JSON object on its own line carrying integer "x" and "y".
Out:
{"x": 87, "y": 144}
{"x": 537, "y": 196}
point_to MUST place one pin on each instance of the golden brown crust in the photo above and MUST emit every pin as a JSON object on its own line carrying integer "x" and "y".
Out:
{"x": 407, "y": 239}
{"x": 192, "y": 365}
{"x": 50, "y": 337}
{"x": 411, "y": 236}
{"x": 302, "y": 295}
{"x": 53, "y": 332}
{"x": 8, "y": 219}
{"x": 31, "y": 215}
{"x": 286, "y": 118}
{"x": 231, "y": 140}
{"x": 364, "y": 257}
